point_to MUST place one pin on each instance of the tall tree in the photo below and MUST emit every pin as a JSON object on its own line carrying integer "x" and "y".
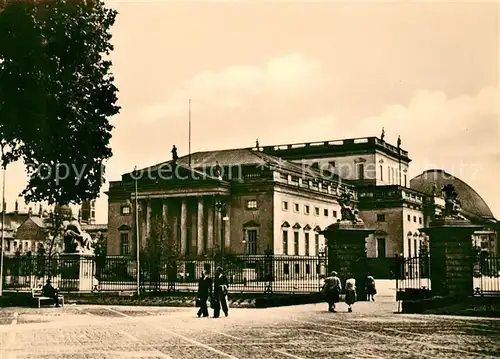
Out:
{"x": 160, "y": 254}
{"x": 57, "y": 94}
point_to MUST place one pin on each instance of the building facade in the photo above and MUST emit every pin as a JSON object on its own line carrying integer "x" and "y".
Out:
{"x": 278, "y": 199}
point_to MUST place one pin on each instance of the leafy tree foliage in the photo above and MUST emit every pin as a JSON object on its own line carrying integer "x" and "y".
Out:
{"x": 57, "y": 95}
{"x": 160, "y": 254}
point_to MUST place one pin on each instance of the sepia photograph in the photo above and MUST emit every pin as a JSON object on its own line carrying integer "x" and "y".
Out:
{"x": 238, "y": 179}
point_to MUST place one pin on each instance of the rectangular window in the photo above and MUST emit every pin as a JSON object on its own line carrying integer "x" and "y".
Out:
{"x": 316, "y": 244}
{"x": 409, "y": 218}
{"x": 124, "y": 244}
{"x": 296, "y": 207}
{"x": 381, "y": 248}
{"x": 316, "y": 211}
{"x": 419, "y": 220}
{"x": 325, "y": 212}
{"x": 409, "y": 247}
{"x": 252, "y": 241}
{"x": 296, "y": 243}
{"x": 307, "y": 243}
{"x": 285, "y": 206}
{"x": 306, "y": 209}
{"x": 415, "y": 247}
{"x": 381, "y": 173}
{"x": 125, "y": 210}
{"x": 335, "y": 214}
{"x": 308, "y": 268}
{"x": 7, "y": 246}
{"x": 297, "y": 268}
{"x": 361, "y": 171}
{"x": 286, "y": 268}
{"x": 380, "y": 217}
{"x": 405, "y": 181}
{"x": 252, "y": 204}
{"x": 415, "y": 219}
{"x": 285, "y": 242}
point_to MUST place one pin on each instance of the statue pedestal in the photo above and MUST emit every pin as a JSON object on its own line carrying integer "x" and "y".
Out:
{"x": 451, "y": 256}
{"x": 347, "y": 253}
{"x": 77, "y": 272}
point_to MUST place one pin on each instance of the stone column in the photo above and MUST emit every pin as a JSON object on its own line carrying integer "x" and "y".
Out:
{"x": 148, "y": 218}
{"x": 142, "y": 221}
{"x": 200, "y": 227}
{"x": 210, "y": 225}
{"x": 183, "y": 225}
{"x": 451, "y": 257}
{"x": 227, "y": 229}
{"x": 347, "y": 253}
{"x": 165, "y": 211}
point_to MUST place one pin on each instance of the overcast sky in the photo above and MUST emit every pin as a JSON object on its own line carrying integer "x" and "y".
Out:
{"x": 292, "y": 72}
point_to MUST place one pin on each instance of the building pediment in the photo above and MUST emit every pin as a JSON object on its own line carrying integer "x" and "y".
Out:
{"x": 251, "y": 224}
{"x": 307, "y": 227}
{"x": 124, "y": 227}
{"x": 317, "y": 229}
{"x": 297, "y": 226}
{"x": 285, "y": 225}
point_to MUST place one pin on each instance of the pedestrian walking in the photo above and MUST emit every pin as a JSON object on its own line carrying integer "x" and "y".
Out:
{"x": 221, "y": 285}
{"x": 204, "y": 293}
{"x": 350, "y": 292}
{"x": 370, "y": 288}
{"x": 331, "y": 290}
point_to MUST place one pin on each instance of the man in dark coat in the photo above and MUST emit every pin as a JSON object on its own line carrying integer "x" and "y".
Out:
{"x": 204, "y": 292}
{"x": 49, "y": 291}
{"x": 220, "y": 293}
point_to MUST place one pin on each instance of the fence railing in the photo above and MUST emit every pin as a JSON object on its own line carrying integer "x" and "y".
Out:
{"x": 414, "y": 274}
{"x": 487, "y": 275}
{"x": 250, "y": 273}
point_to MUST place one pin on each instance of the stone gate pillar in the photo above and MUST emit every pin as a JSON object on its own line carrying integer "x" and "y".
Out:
{"x": 451, "y": 256}
{"x": 346, "y": 243}
{"x": 451, "y": 250}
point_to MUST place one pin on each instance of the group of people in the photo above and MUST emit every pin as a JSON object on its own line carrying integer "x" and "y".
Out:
{"x": 333, "y": 287}
{"x": 214, "y": 291}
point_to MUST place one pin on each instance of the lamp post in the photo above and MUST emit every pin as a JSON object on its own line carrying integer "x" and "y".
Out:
{"x": 222, "y": 208}
{"x": 137, "y": 244}
{"x": 3, "y": 228}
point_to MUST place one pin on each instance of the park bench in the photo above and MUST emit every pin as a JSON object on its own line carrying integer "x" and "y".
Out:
{"x": 38, "y": 296}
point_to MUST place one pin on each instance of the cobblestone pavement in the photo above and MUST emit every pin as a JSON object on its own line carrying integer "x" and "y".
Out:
{"x": 308, "y": 331}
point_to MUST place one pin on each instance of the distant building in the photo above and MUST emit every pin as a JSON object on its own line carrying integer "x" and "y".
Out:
{"x": 280, "y": 197}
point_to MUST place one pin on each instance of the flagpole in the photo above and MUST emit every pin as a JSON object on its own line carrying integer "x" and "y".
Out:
{"x": 137, "y": 244}
{"x": 189, "y": 135}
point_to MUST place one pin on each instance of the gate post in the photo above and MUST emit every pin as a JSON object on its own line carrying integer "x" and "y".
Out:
{"x": 347, "y": 253}
{"x": 451, "y": 250}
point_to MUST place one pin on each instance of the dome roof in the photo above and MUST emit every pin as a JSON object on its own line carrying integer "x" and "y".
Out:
{"x": 469, "y": 199}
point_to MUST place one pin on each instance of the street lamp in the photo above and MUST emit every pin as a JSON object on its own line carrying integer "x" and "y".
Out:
{"x": 4, "y": 170}
{"x": 222, "y": 208}
{"x": 137, "y": 244}
{"x": 3, "y": 231}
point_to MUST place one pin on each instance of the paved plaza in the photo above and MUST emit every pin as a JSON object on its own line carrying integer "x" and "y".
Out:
{"x": 307, "y": 331}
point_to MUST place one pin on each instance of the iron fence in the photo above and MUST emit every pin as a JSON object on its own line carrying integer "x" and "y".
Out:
{"x": 487, "y": 275}
{"x": 246, "y": 273}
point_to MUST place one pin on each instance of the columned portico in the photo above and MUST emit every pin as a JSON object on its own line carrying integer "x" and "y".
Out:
{"x": 210, "y": 225}
{"x": 184, "y": 218}
{"x": 200, "y": 227}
